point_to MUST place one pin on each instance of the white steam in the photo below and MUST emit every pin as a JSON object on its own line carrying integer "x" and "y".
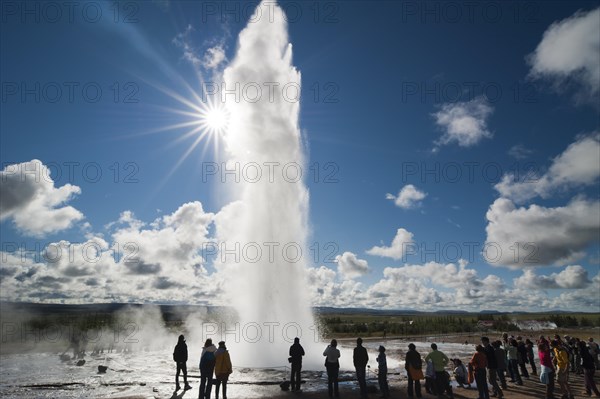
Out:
{"x": 269, "y": 294}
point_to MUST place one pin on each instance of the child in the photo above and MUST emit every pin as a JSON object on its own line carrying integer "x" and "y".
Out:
{"x": 448, "y": 386}
{"x": 430, "y": 378}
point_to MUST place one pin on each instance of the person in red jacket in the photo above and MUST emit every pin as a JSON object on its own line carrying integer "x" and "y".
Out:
{"x": 546, "y": 367}
{"x": 479, "y": 363}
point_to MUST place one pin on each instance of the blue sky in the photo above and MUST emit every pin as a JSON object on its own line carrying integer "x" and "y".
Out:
{"x": 397, "y": 97}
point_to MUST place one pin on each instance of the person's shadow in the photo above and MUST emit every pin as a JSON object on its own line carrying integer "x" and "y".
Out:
{"x": 175, "y": 396}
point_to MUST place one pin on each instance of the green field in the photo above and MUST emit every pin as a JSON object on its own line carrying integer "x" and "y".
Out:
{"x": 350, "y": 325}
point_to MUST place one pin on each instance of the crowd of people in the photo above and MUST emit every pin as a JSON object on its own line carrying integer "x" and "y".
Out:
{"x": 493, "y": 364}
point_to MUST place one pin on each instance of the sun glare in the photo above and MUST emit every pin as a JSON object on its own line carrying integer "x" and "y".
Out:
{"x": 204, "y": 119}
{"x": 215, "y": 118}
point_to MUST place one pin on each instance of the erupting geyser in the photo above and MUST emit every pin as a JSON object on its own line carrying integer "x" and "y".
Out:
{"x": 267, "y": 287}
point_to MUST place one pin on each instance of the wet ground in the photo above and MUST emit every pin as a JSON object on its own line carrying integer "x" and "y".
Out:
{"x": 150, "y": 374}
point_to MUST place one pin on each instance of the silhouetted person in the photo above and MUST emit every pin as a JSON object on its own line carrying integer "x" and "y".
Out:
{"x": 207, "y": 368}
{"x": 223, "y": 369}
{"x": 180, "y": 356}
{"x": 492, "y": 366}
{"x": 361, "y": 358}
{"x": 413, "y": 361}
{"x": 501, "y": 362}
{"x": 332, "y": 365}
{"x": 296, "y": 353}
{"x": 382, "y": 372}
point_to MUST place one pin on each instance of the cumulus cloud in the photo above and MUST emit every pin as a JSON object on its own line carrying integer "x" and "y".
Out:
{"x": 435, "y": 286}
{"x": 408, "y": 197}
{"x": 326, "y": 290}
{"x": 569, "y": 52}
{"x": 572, "y": 277}
{"x": 29, "y": 198}
{"x": 158, "y": 261}
{"x": 585, "y": 298}
{"x": 400, "y": 243}
{"x": 536, "y": 235}
{"x": 429, "y": 286}
{"x": 170, "y": 243}
{"x": 577, "y": 166}
{"x": 350, "y": 266}
{"x": 464, "y": 123}
{"x": 394, "y": 291}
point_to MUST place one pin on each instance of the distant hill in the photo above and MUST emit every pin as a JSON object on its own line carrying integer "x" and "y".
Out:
{"x": 177, "y": 310}
{"x": 382, "y": 312}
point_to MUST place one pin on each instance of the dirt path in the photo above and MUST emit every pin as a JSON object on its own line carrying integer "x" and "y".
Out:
{"x": 531, "y": 389}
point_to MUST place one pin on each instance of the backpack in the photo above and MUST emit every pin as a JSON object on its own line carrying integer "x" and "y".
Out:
{"x": 207, "y": 363}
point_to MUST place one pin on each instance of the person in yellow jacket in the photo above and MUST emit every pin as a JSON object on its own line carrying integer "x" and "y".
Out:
{"x": 561, "y": 357}
{"x": 222, "y": 369}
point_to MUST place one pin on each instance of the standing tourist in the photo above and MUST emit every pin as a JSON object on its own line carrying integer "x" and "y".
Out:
{"x": 413, "y": 365}
{"x": 360, "y": 359}
{"x": 180, "y": 357}
{"x": 223, "y": 369}
{"x": 479, "y": 363}
{"x": 439, "y": 360}
{"x": 332, "y": 364}
{"x": 296, "y": 353}
{"x": 382, "y": 372}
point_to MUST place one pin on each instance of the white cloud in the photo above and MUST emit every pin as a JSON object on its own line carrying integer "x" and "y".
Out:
{"x": 572, "y": 277}
{"x": 214, "y": 57}
{"x": 519, "y": 151}
{"x": 161, "y": 261}
{"x": 408, "y": 197}
{"x": 325, "y": 290}
{"x": 464, "y": 123}
{"x": 400, "y": 243}
{"x": 88, "y": 272}
{"x": 350, "y": 266}
{"x": 183, "y": 41}
{"x": 569, "y": 50}
{"x": 431, "y": 286}
{"x": 396, "y": 292}
{"x": 586, "y": 298}
{"x": 171, "y": 243}
{"x": 578, "y": 165}
{"x": 436, "y": 285}
{"x": 538, "y": 235}
{"x": 29, "y": 198}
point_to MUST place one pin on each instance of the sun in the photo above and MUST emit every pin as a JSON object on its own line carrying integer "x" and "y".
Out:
{"x": 214, "y": 118}
{"x": 204, "y": 118}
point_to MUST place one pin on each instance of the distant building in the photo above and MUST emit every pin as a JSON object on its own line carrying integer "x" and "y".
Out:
{"x": 535, "y": 325}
